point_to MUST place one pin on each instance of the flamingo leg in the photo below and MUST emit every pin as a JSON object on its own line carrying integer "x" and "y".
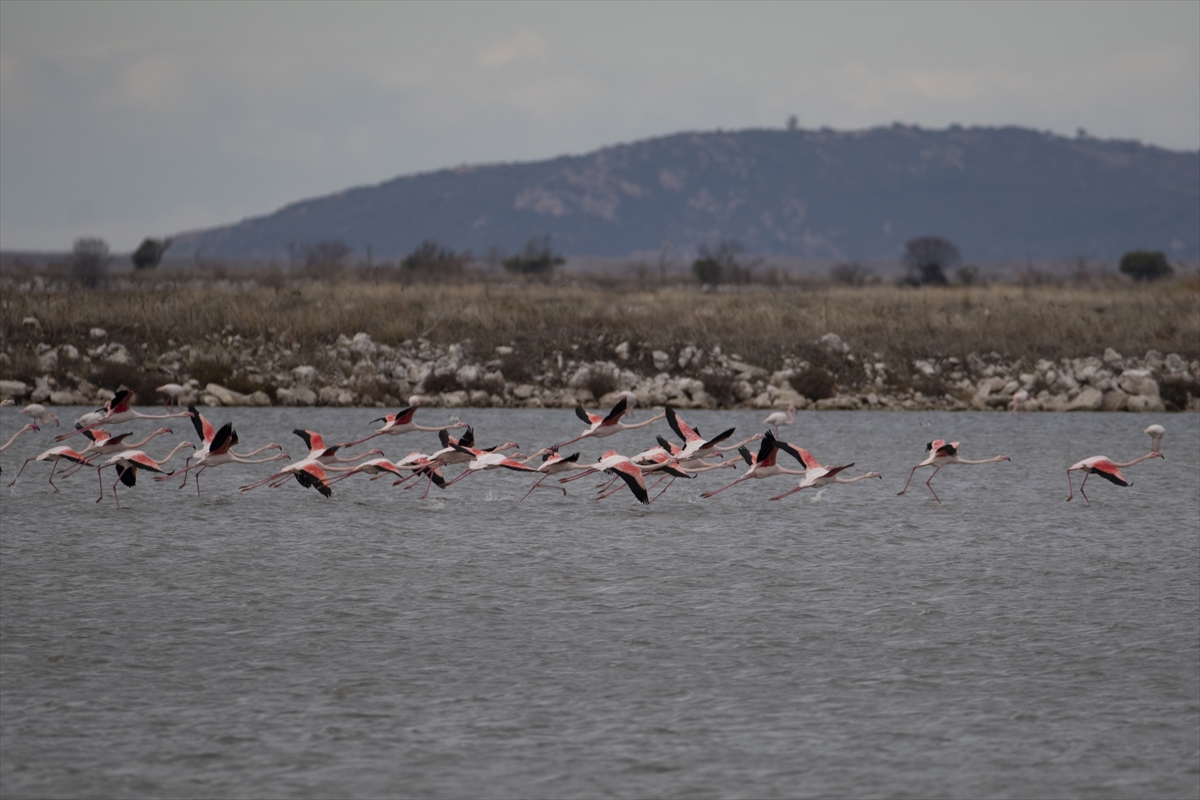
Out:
{"x": 115, "y": 497}
{"x": 101, "y": 497}
{"x": 53, "y": 469}
{"x": 256, "y": 484}
{"x": 22, "y": 469}
{"x": 1070, "y": 486}
{"x": 197, "y": 480}
{"x": 910, "y": 477}
{"x": 785, "y": 494}
{"x": 723, "y": 488}
{"x": 539, "y": 483}
{"x": 935, "y": 497}
{"x": 664, "y": 491}
{"x": 1085, "y": 477}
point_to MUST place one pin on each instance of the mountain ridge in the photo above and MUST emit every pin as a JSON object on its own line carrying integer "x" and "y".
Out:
{"x": 1000, "y": 193}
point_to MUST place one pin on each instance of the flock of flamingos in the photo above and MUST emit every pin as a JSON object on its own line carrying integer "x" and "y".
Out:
{"x": 695, "y": 455}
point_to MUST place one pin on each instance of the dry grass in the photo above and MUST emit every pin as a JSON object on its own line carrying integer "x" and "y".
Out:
{"x": 759, "y": 325}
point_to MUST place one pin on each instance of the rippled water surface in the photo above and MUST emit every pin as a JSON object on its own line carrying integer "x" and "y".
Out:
{"x": 845, "y": 642}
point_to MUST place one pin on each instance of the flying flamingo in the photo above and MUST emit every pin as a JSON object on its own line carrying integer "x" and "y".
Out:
{"x": 117, "y": 410}
{"x": 219, "y": 451}
{"x": 129, "y": 462}
{"x": 327, "y": 454}
{"x": 486, "y": 461}
{"x": 376, "y": 468}
{"x": 693, "y": 443}
{"x": 1104, "y": 467}
{"x": 615, "y": 464}
{"x": 422, "y": 465}
{"x": 553, "y": 464}
{"x": 780, "y": 418}
{"x": 1156, "y": 433}
{"x": 54, "y": 454}
{"x": 942, "y": 453}
{"x": 607, "y": 425}
{"x": 764, "y": 464}
{"x": 816, "y": 476}
{"x": 402, "y": 422}
{"x": 40, "y": 413}
{"x": 102, "y": 444}
{"x": 308, "y": 472}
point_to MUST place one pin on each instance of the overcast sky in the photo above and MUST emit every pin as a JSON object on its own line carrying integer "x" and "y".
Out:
{"x": 125, "y": 120}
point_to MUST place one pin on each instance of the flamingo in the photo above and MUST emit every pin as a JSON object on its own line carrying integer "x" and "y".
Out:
{"x": 40, "y": 413}
{"x": 1104, "y": 467}
{"x": 942, "y": 453}
{"x": 219, "y": 451}
{"x": 632, "y": 399}
{"x": 54, "y": 454}
{"x": 327, "y": 454}
{"x": 607, "y": 425}
{"x": 694, "y": 444}
{"x": 29, "y": 426}
{"x": 1156, "y": 433}
{"x": 376, "y": 468}
{"x": 615, "y": 464}
{"x": 117, "y": 410}
{"x": 1019, "y": 399}
{"x": 175, "y": 392}
{"x": 486, "y": 461}
{"x": 8, "y": 401}
{"x": 308, "y": 472}
{"x": 817, "y": 476}
{"x": 128, "y": 462}
{"x": 764, "y": 464}
{"x": 552, "y": 464}
{"x": 780, "y": 418}
{"x": 423, "y": 465}
{"x": 402, "y": 422}
{"x": 102, "y": 444}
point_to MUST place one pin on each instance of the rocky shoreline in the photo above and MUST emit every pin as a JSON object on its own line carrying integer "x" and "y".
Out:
{"x": 357, "y": 371}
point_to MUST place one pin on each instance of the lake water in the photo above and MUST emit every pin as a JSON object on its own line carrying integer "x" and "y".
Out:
{"x": 848, "y": 642}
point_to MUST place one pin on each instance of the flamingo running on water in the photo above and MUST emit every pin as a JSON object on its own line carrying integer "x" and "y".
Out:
{"x": 817, "y": 476}
{"x": 117, "y": 410}
{"x": 129, "y": 462}
{"x": 54, "y": 454}
{"x": 219, "y": 451}
{"x": 609, "y": 424}
{"x": 402, "y": 422}
{"x": 1106, "y": 468}
{"x": 942, "y": 453}
{"x": 40, "y": 413}
{"x": 553, "y": 464}
{"x": 780, "y": 418}
{"x": 764, "y": 464}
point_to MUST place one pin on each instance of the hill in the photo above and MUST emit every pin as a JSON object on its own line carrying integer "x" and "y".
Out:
{"x": 999, "y": 193}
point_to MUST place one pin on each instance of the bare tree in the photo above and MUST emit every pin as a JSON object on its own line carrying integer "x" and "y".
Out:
{"x": 89, "y": 261}
{"x": 325, "y": 259}
{"x": 431, "y": 262}
{"x": 928, "y": 258}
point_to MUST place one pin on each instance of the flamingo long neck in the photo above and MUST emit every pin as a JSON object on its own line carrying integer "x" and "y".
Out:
{"x": 836, "y": 479}
{"x": 178, "y": 447}
{"x": 148, "y": 438}
{"x": 1152, "y": 454}
{"x": 642, "y": 424}
{"x": 245, "y": 460}
{"x": 256, "y": 452}
{"x": 15, "y": 435}
{"x": 980, "y": 461}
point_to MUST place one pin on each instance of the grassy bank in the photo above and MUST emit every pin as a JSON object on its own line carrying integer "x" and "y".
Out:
{"x": 762, "y": 327}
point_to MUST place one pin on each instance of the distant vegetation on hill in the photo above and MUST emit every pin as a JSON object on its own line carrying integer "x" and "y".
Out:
{"x": 999, "y": 194}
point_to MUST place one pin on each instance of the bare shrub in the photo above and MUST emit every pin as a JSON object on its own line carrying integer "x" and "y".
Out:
{"x": 89, "y": 261}
{"x": 515, "y": 368}
{"x": 442, "y": 382}
{"x": 816, "y": 383}
{"x": 600, "y": 383}
{"x": 719, "y": 387}
{"x": 128, "y": 376}
{"x": 1177, "y": 391}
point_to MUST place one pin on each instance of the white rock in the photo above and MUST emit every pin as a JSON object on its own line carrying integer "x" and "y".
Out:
{"x": 1089, "y": 399}
{"x": 1138, "y": 382}
{"x": 504, "y": 350}
{"x": 228, "y": 397}
{"x": 622, "y": 351}
{"x": 258, "y": 398}
{"x": 1115, "y": 400}
{"x": 69, "y": 352}
{"x": 834, "y": 344}
{"x": 1112, "y": 358}
{"x": 1175, "y": 363}
{"x": 299, "y": 396}
{"x": 304, "y": 376}
{"x": 32, "y": 322}
{"x": 48, "y": 361}
{"x": 117, "y": 354}
{"x": 1141, "y": 403}
{"x": 98, "y": 333}
{"x": 361, "y": 343}
{"x": 686, "y": 355}
{"x": 661, "y": 359}
{"x": 13, "y": 389}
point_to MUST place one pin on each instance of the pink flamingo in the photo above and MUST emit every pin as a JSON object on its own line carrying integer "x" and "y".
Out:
{"x": 40, "y": 413}
{"x": 308, "y": 472}
{"x": 175, "y": 393}
{"x": 1019, "y": 399}
{"x": 219, "y": 451}
{"x": 764, "y": 465}
{"x": 780, "y": 418}
{"x": 615, "y": 464}
{"x": 327, "y": 454}
{"x": 1104, "y": 467}
{"x": 424, "y": 466}
{"x": 694, "y": 445}
{"x": 607, "y": 425}
{"x": 54, "y": 454}
{"x": 1156, "y": 433}
{"x": 494, "y": 460}
{"x": 116, "y": 411}
{"x": 402, "y": 422}
{"x": 129, "y": 462}
{"x": 376, "y": 468}
{"x": 817, "y": 476}
{"x": 102, "y": 444}
{"x": 553, "y": 464}
{"x": 942, "y": 453}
